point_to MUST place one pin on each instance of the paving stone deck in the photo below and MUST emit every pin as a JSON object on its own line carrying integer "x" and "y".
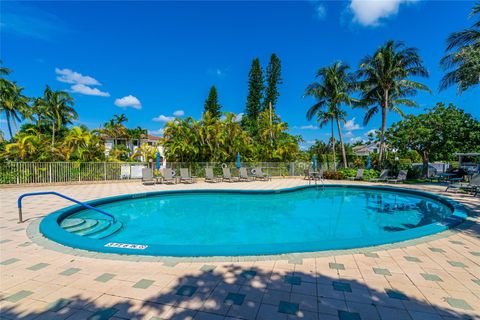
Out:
{"x": 436, "y": 277}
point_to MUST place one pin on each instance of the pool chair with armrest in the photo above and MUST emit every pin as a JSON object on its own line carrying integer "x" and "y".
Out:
{"x": 185, "y": 176}
{"x": 382, "y": 177}
{"x": 259, "y": 175}
{"x": 472, "y": 186}
{"x": 168, "y": 176}
{"x": 359, "y": 175}
{"x": 402, "y": 176}
{"x": 147, "y": 176}
{"x": 227, "y": 175}
{"x": 210, "y": 177}
{"x": 243, "y": 175}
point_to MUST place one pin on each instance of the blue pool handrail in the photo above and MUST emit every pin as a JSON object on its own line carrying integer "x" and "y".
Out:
{"x": 19, "y": 203}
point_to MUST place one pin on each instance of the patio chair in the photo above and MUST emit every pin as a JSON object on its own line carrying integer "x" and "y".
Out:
{"x": 243, "y": 175}
{"x": 210, "y": 177}
{"x": 147, "y": 176}
{"x": 359, "y": 175}
{"x": 258, "y": 174}
{"x": 472, "y": 186}
{"x": 227, "y": 175}
{"x": 168, "y": 176}
{"x": 186, "y": 177}
{"x": 402, "y": 176}
{"x": 382, "y": 177}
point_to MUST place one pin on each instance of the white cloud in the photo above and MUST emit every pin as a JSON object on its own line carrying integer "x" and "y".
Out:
{"x": 369, "y": 12}
{"x": 239, "y": 117}
{"x": 217, "y": 72}
{"x": 157, "y": 132}
{"x": 351, "y": 125}
{"x": 356, "y": 139}
{"x": 348, "y": 134}
{"x": 307, "y": 127}
{"x": 373, "y": 132}
{"x": 163, "y": 118}
{"x": 70, "y": 76}
{"x": 128, "y": 101}
{"x": 83, "y": 89}
{"x": 321, "y": 11}
{"x": 179, "y": 113}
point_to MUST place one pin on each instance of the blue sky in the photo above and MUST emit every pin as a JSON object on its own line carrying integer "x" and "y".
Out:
{"x": 151, "y": 60}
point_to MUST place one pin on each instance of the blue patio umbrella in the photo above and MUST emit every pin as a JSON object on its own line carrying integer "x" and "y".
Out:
{"x": 314, "y": 162}
{"x": 369, "y": 162}
{"x": 238, "y": 163}
{"x": 157, "y": 160}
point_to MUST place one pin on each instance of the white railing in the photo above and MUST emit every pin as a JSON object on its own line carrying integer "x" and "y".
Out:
{"x": 64, "y": 172}
{"x": 74, "y": 172}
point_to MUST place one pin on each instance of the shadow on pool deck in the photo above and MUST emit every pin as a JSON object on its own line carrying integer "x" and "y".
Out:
{"x": 228, "y": 292}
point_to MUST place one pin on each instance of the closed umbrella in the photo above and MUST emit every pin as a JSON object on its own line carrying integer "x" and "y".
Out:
{"x": 238, "y": 163}
{"x": 157, "y": 160}
{"x": 314, "y": 163}
{"x": 369, "y": 162}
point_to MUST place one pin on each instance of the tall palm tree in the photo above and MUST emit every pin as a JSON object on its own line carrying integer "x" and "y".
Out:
{"x": 13, "y": 104}
{"x": 334, "y": 89}
{"x": 385, "y": 83}
{"x": 56, "y": 109}
{"x": 463, "y": 56}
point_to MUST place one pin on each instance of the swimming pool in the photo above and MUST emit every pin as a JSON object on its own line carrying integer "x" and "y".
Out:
{"x": 233, "y": 222}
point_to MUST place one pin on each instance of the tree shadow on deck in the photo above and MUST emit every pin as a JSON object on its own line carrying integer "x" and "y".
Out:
{"x": 230, "y": 291}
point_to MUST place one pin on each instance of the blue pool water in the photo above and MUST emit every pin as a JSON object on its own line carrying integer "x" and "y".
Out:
{"x": 311, "y": 219}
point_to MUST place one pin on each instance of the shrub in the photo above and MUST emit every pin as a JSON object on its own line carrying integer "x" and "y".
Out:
{"x": 334, "y": 175}
{"x": 367, "y": 173}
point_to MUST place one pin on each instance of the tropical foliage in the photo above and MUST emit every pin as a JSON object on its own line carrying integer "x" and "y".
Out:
{"x": 219, "y": 140}
{"x": 462, "y": 60}
{"x": 437, "y": 134}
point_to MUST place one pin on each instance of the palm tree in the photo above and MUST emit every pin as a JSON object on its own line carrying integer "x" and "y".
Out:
{"x": 334, "y": 89}
{"x": 26, "y": 145}
{"x": 464, "y": 62}
{"x": 13, "y": 104}
{"x": 385, "y": 84}
{"x": 55, "y": 108}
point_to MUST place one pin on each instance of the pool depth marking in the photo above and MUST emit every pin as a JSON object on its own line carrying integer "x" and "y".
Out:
{"x": 127, "y": 246}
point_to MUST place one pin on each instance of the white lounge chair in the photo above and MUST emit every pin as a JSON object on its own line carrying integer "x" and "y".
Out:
{"x": 472, "y": 186}
{"x": 382, "y": 177}
{"x": 359, "y": 175}
{"x": 186, "y": 177}
{"x": 147, "y": 176}
{"x": 258, "y": 174}
{"x": 227, "y": 175}
{"x": 168, "y": 176}
{"x": 210, "y": 177}
{"x": 243, "y": 175}
{"x": 402, "y": 176}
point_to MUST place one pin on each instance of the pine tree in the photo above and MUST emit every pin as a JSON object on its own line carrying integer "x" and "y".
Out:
{"x": 254, "y": 98}
{"x": 274, "y": 78}
{"x": 211, "y": 104}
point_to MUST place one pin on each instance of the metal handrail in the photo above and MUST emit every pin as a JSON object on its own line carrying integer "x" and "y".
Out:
{"x": 19, "y": 203}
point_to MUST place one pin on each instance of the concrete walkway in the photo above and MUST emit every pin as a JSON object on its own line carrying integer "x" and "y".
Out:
{"x": 436, "y": 279}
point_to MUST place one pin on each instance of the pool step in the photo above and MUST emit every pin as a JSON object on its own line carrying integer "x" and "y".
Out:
{"x": 88, "y": 223}
{"x": 69, "y": 223}
{"x": 108, "y": 232}
{"x": 100, "y": 226}
{"x": 92, "y": 228}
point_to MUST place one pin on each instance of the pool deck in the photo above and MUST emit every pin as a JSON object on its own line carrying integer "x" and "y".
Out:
{"x": 436, "y": 277}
